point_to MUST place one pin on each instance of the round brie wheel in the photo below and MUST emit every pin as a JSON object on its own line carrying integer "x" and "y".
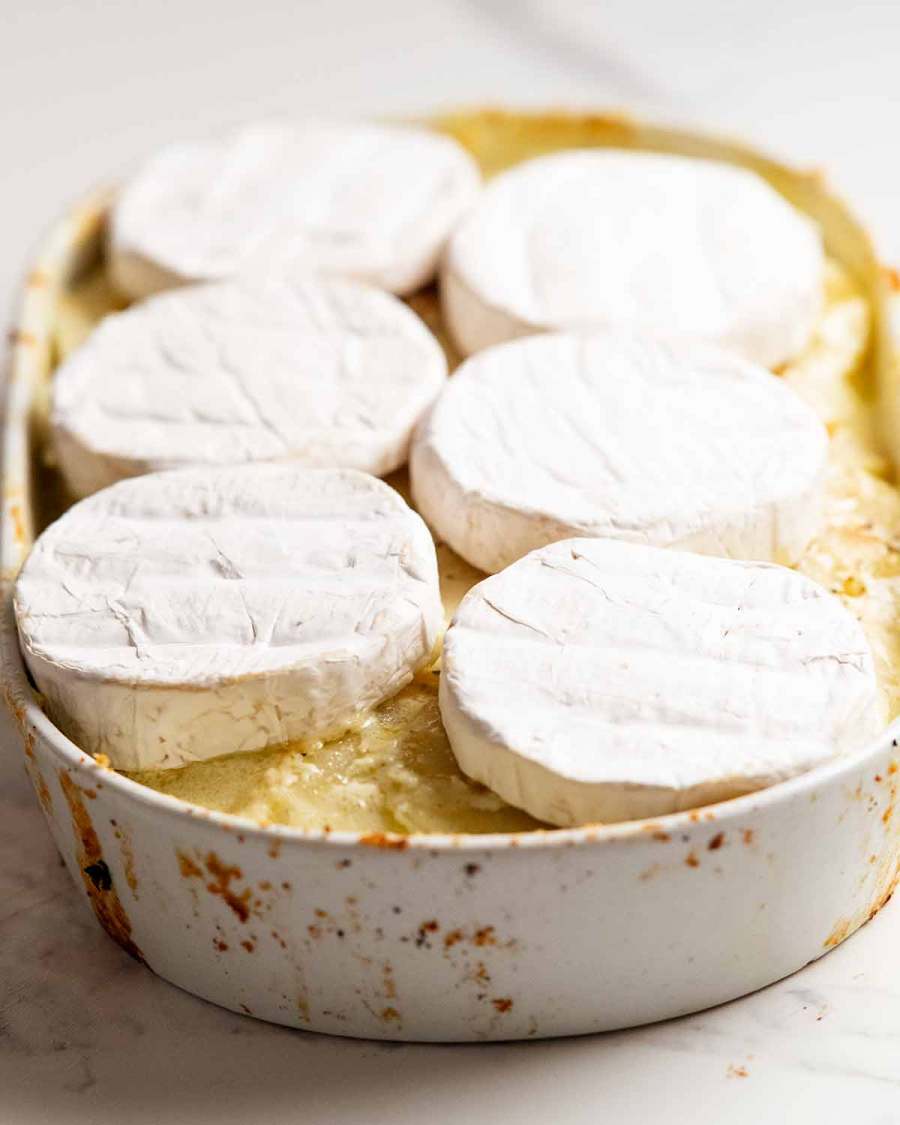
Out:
{"x": 327, "y": 372}
{"x": 373, "y": 202}
{"x": 603, "y": 681}
{"x": 617, "y": 436}
{"x": 662, "y": 244}
{"x": 185, "y": 615}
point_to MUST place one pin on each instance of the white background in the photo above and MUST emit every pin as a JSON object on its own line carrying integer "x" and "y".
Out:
{"x": 85, "y": 87}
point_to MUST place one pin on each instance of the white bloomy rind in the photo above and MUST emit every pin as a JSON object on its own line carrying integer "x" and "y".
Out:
{"x": 189, "y": 614}
{"x": 327, "y": 372}
{"x": 616, "y": 436}
{"x": 661, "y": 244}
{"x": 601, "y": 681}
{"x": 372, "y": 202}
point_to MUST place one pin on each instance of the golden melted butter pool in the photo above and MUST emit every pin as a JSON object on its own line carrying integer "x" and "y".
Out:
{"x": 397, "y": 773}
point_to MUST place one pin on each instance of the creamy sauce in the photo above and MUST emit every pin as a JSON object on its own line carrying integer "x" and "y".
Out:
{"x": 397, "y": 772}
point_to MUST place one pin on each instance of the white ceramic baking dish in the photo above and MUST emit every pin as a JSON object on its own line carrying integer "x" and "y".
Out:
{"x": 454, "y": 937}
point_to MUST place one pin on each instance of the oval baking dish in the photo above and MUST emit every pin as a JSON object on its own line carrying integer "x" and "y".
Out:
{"x": 449, "y": 938}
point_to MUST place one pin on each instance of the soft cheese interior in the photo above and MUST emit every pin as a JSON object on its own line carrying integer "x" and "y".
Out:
{"x": 397, "y": 772}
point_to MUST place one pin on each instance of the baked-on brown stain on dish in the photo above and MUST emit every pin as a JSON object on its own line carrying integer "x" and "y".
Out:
{"x": 95, "y": 873}
{"x": 187, "y": 867}
{"x": 222, "y": 876}
{"x": 18, "y": 338}
{"x": 127, "y": 853}
{"x": 886, "y": 875}
{"x": 840, "y": 931}
{"x": 18, "y": 523}
{"x": 44, "y": 796}
{"x": 43, "y": 792}
{"x": 382, "y": 840}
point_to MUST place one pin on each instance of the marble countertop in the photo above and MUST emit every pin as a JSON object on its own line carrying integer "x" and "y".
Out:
{"x": 88, "y": 1036}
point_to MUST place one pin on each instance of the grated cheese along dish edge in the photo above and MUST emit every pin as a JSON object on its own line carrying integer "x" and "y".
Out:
{"x": 397, "y": 772}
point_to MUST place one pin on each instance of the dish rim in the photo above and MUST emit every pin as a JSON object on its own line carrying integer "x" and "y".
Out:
{"x": 31, "y": 355}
